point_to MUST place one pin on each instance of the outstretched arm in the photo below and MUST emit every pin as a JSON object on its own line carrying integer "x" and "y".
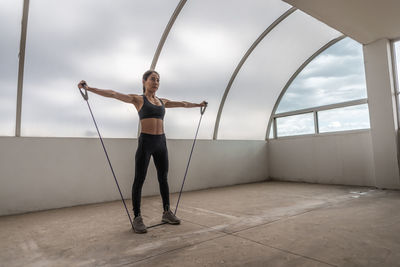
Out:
{"x": 128, "y": 98}
{"x": 182, "y": 104}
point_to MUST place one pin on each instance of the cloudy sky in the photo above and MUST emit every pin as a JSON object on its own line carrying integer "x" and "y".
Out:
{"x": 112, "y": 45}
{"x": 335, "y": 76}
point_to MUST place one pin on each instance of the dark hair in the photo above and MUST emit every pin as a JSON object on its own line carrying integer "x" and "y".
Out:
{"x": 146, "y": 75}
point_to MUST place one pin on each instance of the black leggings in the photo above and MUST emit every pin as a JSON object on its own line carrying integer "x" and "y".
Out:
{"x": 156, "y": 146}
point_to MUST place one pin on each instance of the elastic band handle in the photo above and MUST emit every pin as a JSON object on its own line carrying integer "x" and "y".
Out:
{"x": 84, "y": 95}
{"x": 203, "y": 109}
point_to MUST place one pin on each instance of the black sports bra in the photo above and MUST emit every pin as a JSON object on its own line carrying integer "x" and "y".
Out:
{"x": 149, "y": 110}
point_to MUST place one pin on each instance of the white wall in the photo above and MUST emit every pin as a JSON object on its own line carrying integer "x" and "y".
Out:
{"x": 360, "y": 158}
{"x": 343, "y": 158}
{"x": 382, "y": 112}
{"x": 45, "y": 173}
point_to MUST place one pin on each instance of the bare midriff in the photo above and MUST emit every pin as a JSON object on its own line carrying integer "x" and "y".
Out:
{"x": 152, "y": 126}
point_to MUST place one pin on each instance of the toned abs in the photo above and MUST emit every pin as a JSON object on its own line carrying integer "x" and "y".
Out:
{"x": 152, "y": 126}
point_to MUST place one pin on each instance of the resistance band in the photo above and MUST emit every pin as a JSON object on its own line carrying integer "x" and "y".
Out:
{"x": 86, "y": 97}
{"x": 202, "y": 110}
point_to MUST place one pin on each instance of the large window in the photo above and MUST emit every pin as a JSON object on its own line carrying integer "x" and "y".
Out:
{"x": 110, "y": 44}
{"x": 10, "y": 32}
{"x": 332, "y": 87}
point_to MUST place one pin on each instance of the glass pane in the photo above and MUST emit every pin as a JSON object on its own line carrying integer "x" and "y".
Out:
{"x": 344, "y": 119}
{"x": 208, "y": 40}
{"x": 397, "y": 56}
{"x": 295, "y": 125}
{"x": 336, "y": 75}
{"x": 110, "y": 45}
{"x": 255, "y": 91}
{"x": 10, "y": 32}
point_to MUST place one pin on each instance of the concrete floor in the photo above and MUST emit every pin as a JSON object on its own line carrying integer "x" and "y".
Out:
{"x": 261, "y": 224}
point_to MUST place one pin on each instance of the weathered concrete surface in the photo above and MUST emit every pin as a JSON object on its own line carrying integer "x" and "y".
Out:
{"x": 261, "y": 224}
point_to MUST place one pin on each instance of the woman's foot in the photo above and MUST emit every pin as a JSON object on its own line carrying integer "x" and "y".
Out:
{"x": 138, "y": 225}
{"x": 169, "y": 217}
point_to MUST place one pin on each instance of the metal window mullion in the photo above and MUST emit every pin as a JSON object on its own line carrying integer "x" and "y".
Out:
{"x": 272, "y": 128}
{"x": 322, "y": 108}
{"x": 275, "y": 128}
{"x": 315, "y": 113}
{"x": 21, "y": 66}
{"x": 316, "y": 124}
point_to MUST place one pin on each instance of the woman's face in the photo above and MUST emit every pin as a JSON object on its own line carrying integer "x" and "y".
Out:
{"x": 152, "y": 83}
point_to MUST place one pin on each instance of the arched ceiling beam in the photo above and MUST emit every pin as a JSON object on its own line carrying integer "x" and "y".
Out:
{"x": 21, "y": 55}
{"x": 242, "y": 61}
{"x": 164, "y": 38}
{"x": 166, "y": 32}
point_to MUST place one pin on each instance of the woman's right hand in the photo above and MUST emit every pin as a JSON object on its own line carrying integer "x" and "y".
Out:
{"x": 82, "y": 84}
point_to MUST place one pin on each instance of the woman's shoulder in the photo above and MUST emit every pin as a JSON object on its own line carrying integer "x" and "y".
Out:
{"x": 136, "y": 96}
{"x": 163, "y": 99}
{"x": 136, "y": 99}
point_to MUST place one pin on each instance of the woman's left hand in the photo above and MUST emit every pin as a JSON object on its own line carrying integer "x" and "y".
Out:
{"x": 203, "y": 104}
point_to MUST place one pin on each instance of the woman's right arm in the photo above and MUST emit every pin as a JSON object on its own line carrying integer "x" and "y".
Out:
{"x": 128, "y": 98}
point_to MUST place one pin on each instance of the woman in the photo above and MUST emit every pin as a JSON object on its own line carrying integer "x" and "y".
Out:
{"x": 152, "y": 141}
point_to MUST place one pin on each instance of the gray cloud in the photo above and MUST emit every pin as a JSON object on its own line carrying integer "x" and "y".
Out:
{"x": 296, "y": 125}
{"x": 337, "y": 75}
{"x": 82, "y": 31}
{"x": 349, "y": 118}
{"x": 71, "y": 117}
{"x": 10, "y": 28}
{"x": 10, "y": 19}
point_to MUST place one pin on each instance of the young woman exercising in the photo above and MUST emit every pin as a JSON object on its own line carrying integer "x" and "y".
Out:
{"x": 151, "y": 142}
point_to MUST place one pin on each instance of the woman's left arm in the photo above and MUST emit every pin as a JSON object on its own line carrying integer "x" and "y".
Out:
{"x": 182, "y": 104}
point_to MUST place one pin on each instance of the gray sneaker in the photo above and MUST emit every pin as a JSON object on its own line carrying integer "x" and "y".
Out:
{"x": 138, "y": 225}
{"x": 169, "y": 217}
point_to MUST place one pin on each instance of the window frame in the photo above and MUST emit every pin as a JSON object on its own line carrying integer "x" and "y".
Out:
{"x": 272, "y": 125}
{"x": 315, "y": 111}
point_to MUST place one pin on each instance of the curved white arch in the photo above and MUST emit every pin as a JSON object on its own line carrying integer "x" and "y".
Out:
{"x": 166, "y": 32}
{"x": 242, "y": 61}
{"x": 163, "y": 39}
{"x": 24, "y": 26}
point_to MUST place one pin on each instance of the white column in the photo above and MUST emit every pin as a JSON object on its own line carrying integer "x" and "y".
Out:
{"x": 382, "y": 111}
